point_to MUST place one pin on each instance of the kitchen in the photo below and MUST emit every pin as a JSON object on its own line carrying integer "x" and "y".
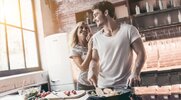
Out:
{"x": 158, "y": 22}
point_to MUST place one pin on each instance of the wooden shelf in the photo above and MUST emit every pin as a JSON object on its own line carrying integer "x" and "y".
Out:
{"x": 162, "y": 70}
{"x": 160, "y": 27}
{"x": 157, "y": 12}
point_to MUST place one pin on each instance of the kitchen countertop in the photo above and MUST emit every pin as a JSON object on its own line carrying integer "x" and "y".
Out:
{"x": 12, "y": 97}
{"x": 52, "y": 96}
{"x": 18, "y": 97}
{"x": 81, "y": 95}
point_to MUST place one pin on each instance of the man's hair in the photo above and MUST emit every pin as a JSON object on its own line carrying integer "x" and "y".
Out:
{"x": 103, "y": 6}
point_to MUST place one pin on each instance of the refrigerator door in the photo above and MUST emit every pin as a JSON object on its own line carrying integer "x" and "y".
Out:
{"x": 58, "y": 62}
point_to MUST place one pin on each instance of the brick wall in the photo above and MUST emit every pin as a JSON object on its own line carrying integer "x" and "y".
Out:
{"x": 163, "y": 48}
{"x": 67, "y": 10}
{"x": 162, "y": 45}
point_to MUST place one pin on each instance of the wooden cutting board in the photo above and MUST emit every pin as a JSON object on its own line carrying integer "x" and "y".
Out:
{"x": 61, "y": 95}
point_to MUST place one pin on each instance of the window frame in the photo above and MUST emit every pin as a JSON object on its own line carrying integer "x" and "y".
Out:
{"x": 23, "y": 70}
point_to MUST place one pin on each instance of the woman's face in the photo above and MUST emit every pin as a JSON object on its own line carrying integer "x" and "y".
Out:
{"x": 83, "y": 31}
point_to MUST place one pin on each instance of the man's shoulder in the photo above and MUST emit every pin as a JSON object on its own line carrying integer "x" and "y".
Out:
{"x": 97, "y": 33}
{"x": 126, "y": 25}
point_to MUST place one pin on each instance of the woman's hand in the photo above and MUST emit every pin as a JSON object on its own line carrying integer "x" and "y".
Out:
{"x": 88, "y": 37}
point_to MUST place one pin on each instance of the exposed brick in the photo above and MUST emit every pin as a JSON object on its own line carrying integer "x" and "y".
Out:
{"x": 67, "y": 11}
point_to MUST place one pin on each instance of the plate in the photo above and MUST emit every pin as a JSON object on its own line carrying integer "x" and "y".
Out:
{"x": 62, "y": 95}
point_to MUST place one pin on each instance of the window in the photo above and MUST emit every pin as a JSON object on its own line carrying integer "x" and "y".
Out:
{"x": 18, "y": 38}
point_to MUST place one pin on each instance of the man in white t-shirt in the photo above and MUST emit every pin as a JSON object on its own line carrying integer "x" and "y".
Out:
{"x": 112, "y": 54}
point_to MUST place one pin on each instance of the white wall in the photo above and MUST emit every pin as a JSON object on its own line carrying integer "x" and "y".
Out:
{"x": 44, "y": 26}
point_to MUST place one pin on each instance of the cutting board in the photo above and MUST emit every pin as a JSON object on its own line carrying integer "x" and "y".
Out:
{"x": 61, "y": 95}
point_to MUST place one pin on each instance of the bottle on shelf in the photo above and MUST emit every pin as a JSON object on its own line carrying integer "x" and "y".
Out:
{"x": 170, "y": 4}
{"x": 169, "y": 19}
{"x": 137, "y": 9}
{"x": 151, "y": 8}
{"x": 174, "y": 3}
{"x": 156, "y": 21}
{"x": 179, "y": 16}
{"x": 160, "y": 4}
{"x": 87, "y": 18}
{"x": 147, "y": 7}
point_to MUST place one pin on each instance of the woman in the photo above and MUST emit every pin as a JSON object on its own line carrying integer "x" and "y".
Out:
{"x": 81, "y": 53}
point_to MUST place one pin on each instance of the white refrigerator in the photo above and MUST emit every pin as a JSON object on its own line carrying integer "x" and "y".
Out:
{"x": 58, "y": 62}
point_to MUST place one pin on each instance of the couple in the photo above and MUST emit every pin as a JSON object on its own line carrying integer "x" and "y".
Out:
{"x": 105, "y": 60}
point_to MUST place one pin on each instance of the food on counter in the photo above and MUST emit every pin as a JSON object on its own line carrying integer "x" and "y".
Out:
{"x": 74, "y": 92}
{"x": 67, "y": 93}
{"x": 43, "y": 94}
{"x": 29, "y": 93}
{"x": 33, "y": 93}
{"x": 92, "y": 93}
{"x": 107, "y": 92}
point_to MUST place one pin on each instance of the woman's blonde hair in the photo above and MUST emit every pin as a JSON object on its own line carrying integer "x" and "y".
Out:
{"x": 73, "y": 34}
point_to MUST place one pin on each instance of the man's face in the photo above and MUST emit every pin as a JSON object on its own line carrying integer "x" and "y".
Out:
{"x": 99, "y": 17}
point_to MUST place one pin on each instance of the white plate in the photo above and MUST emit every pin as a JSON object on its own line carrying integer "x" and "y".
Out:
{"x": 61, "y": 95}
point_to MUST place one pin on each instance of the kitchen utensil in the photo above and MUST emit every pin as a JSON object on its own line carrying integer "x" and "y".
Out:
{"x": 99, "y": 91}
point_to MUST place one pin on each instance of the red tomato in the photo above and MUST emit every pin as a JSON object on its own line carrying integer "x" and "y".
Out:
{"x": 67, "y": 93}
{"x": 74, "y": 92}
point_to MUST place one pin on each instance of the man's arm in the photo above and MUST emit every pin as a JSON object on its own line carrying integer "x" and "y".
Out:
{"x": 139, "y": 49}
{"x": 93, "y": 68}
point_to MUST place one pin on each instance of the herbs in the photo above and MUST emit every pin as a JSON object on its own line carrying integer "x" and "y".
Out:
{"x": 33, "y": 93}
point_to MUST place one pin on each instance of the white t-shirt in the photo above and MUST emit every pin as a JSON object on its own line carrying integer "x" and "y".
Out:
{"x": 81, "y": 51}
{"x": 115, "y": 56}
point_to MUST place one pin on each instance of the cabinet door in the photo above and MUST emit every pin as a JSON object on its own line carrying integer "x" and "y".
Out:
{"x": 121, "y": 11}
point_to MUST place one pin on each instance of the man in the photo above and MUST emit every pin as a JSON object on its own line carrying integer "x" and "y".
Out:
{"x": 113, "y": 46}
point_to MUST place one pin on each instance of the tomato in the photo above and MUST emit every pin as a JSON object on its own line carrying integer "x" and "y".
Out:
{"x": 74, "y": 92}
{"x": 67, "y": 93}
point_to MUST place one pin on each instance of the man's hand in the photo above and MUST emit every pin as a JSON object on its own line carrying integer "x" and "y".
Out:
{"x": 93, "y": 68}
{"x": 133, "y": 80}
{"x": 92, "y": 78}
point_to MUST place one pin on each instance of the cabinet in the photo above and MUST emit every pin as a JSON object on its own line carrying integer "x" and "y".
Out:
{"x": 156, "y": 19}
{"x": 155, "y": 14}
{"x": 152, "y": 15}
{"x": 84, "y": 16}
